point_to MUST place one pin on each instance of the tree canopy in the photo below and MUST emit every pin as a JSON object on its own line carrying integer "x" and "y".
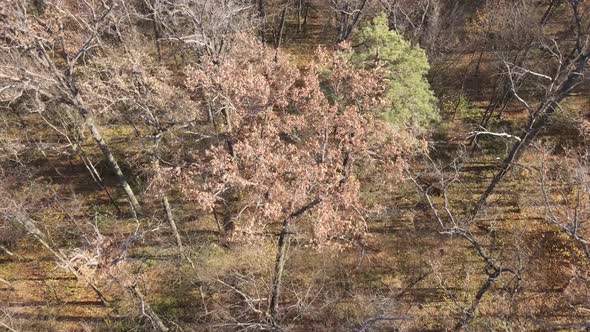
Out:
{"x": 410, "y": 99}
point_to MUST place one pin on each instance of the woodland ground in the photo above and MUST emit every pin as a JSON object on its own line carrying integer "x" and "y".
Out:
{"x": 414, "y": 273}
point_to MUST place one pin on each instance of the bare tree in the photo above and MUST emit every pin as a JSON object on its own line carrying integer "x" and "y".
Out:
{"x": 29, "y": 60}
{"x": 453, "y": 224}
{"x": 568, "y": 72}
{"x": 207, "y": 27}
{"x": 348, "y": 14}
{"x": 512, "y": 32}
{"x": 565, "y": 187}
{"x": 417, "y": 20}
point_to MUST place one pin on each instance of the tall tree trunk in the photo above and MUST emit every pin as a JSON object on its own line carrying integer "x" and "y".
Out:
{"x": 163, "y": 196}
{"x": 299, "y": 15}
{"x": 156, "y": 30}
{"x": 110, "y": 158}
{"x": 306, "y": 13}
{"x": 279, "y": 38}
{"x": 282, "y": 257}
{"x": 349, "y": 21}
{"x": 170, "y": 219}
{"x": 466, "y": 318}
{"x": 262, "y": 14}
{"x": 278, "y": 273}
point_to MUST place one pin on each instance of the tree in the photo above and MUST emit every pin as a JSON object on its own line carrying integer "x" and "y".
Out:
{"x": 564, "y": 74}
{"x": 454, "y": 221}
{"x": 416, "y": 20}
{"x": 36, "y": 54}
{"x": 205, "y": 27}
{"x": 511, "y": 30}
{"x": 348, "y": 14}
{"x": 409, "y": 99}
{"x": 565, "y": 190}
{"x": 292, "y": 147}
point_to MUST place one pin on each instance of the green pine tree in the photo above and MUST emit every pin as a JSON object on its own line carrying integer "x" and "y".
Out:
{"x": 410, "y": 99}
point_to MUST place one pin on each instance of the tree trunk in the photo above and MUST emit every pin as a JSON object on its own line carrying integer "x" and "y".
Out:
{"x": 262, "y": 14}
{"x": 279, "y": 38}
{"x": 170, "y": 219}
{"x": 482, "y": 291}
{"x": 282, "y": 257}
{"x": 28, "y": 224}
{"x": 147, "y": 310}
{"x": 110, "y": 158}
{"x": 165, "y": 202}
{"x": 306, "y": 13}
{"x": 348, "y": 23}
{"x": 156, "y": 31}
{"x": 278, "y": 273}
{"x": 538, "y": 120}
{"x": 299, "y": 15}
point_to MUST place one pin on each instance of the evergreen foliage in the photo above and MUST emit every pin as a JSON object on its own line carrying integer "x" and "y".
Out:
{"x": 409, "y": 97}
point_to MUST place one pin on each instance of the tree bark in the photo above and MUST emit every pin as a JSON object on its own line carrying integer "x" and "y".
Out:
{"x": 170, "y": 219}
{"x": 281, "y": 259}
{"x": 28, "y": 224}
{"x": 537, "y": 121}
{"x": 475, "y": 302}
{"x": 110, "y": 158}
{"x": 262, "y": 14}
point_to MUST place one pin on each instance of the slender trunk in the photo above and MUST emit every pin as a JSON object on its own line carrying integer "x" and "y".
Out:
{"x": 282, "y": 257}
{"x": 110, "y": 158}
{"x": 211, "y": 116}
{"x": 262, "y": 14}
{"x": 349, "y": 23}
{"x": 513, "y": 156}
{"x": 170, "y": 219}
{"x": 464, "y": 321}
{"x": 279, "y": 38}
{"x": 165, "y": 202}
{"x": 547, "y": 14}
{"x": 299, "y": 15}
{"x": 147, "y": 310}
{"x": 227, "y": 115}
{"x": 279, "y": 269}
{"x": 29, "y": 225}
{"x": 156, "y": 31}
{"x": 306, "y": 13}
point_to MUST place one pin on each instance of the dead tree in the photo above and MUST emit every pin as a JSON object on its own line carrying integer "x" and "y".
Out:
{"x": 17, "y": 215}
{"x": 453, "y": 224}
{"x": 565, "y": 187}
{"x": 55, "y": 79}
{"x": 348, "y": 14}
{"x": 568, "y": 73}
{"x": 418, "y": 21}
{"x": 513, "y": 32}
{"x": 206, "y": 27}
{"x": 302, "y": 8}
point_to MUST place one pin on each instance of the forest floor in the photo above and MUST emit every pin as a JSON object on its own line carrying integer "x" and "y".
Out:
{"x": 418, "y": 273}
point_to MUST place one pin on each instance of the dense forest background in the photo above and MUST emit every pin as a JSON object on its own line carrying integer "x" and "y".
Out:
{"x": 300, "y": 165}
